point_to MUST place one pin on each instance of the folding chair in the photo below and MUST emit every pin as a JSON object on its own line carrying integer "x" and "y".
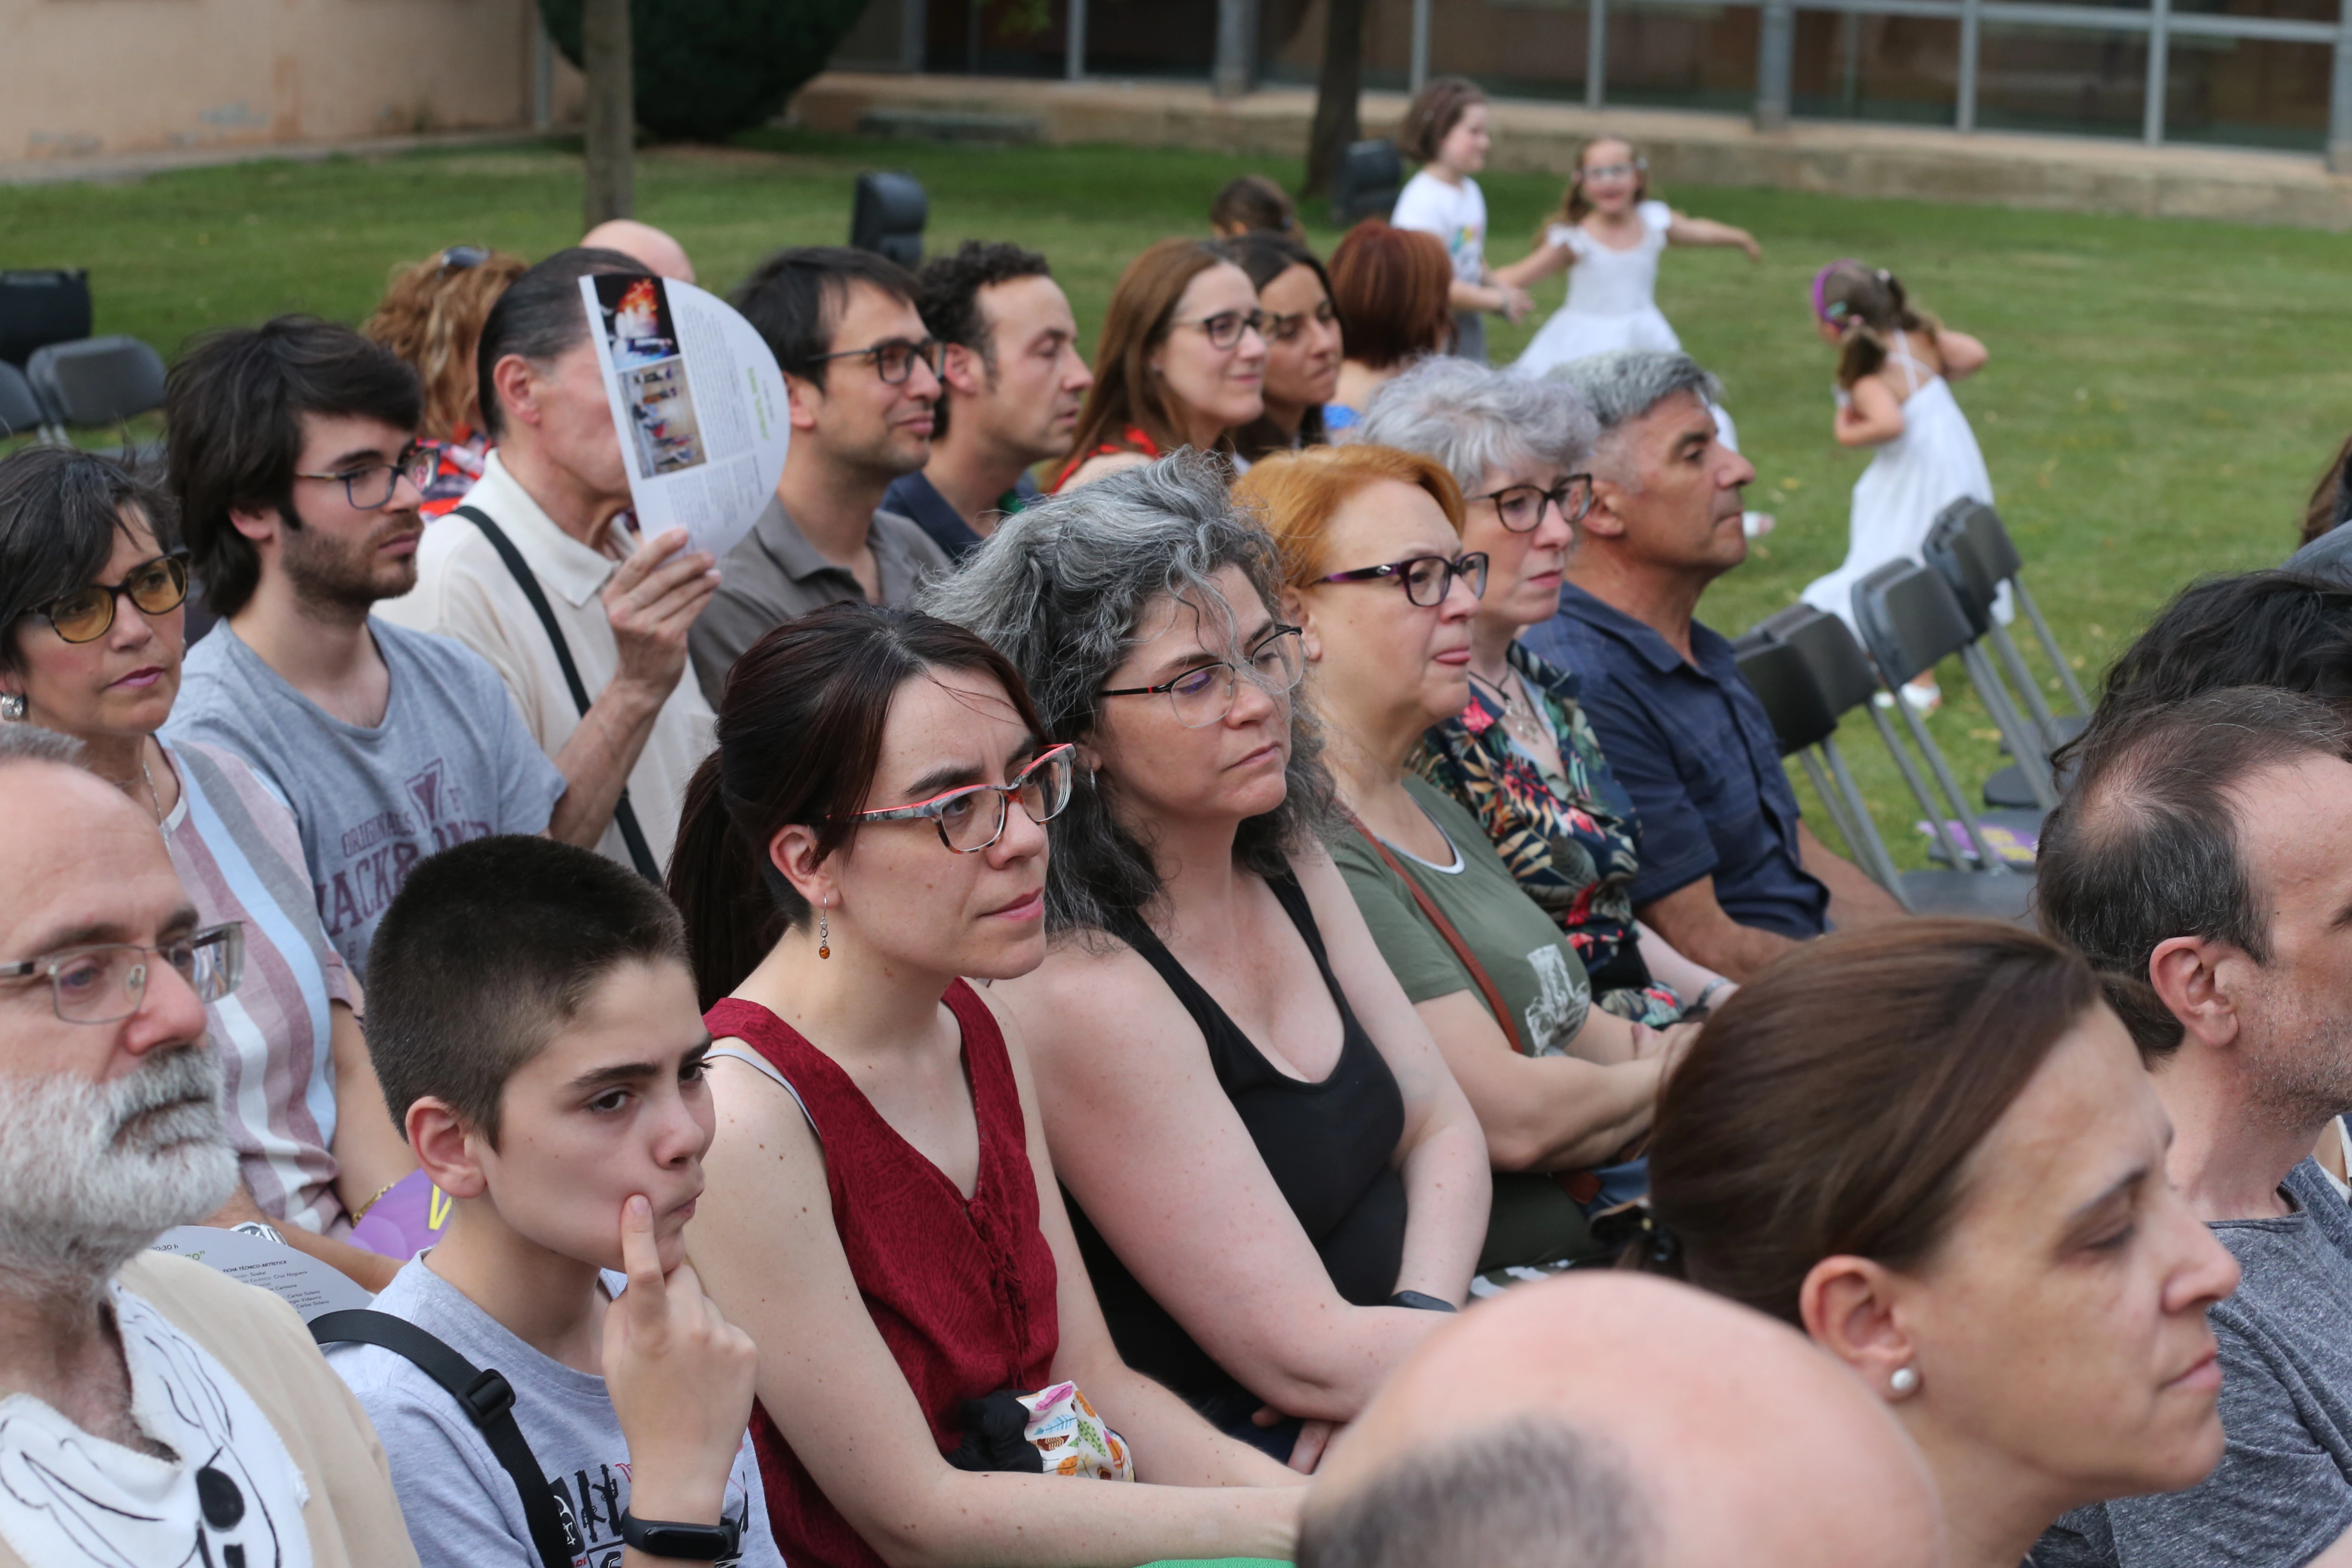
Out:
{"x": 1806, "y": 668}
{"x": 1974, "y": 552}
{"x": 20, "y": 411}
{"x": 38, "y": 308}
{"x": 96, "y": 381}
{"x": 1910, "y": 619}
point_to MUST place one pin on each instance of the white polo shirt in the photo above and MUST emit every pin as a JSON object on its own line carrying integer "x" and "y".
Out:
{"x": 464, "y": 591}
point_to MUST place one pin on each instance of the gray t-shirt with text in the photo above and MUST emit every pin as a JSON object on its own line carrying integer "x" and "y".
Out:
{"x": 450, "y": 762}
{"x": 2282, "y": 1492}
{"x": 462, "y": 1507}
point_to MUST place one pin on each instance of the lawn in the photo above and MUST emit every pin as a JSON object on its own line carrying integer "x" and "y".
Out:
{"x": 2160, "y": 396}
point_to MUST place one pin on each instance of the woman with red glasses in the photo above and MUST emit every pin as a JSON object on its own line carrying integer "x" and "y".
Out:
{"x": 92, "y": 594}
{"x": 882, "y": 1215}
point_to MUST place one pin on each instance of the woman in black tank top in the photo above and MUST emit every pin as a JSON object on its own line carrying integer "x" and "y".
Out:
{"x": 1277, "y": 1187}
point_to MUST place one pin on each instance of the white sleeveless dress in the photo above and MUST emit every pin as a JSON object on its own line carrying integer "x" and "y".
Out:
{"x": 1612, "y": 297}
{"x": 1932, "y": 464}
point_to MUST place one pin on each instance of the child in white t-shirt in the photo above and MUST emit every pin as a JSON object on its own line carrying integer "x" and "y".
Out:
{"x": 1446, "y": 128}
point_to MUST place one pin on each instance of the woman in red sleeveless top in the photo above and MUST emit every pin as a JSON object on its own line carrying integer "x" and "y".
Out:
{"x": 882, "y": 1216}
{"x": 1181, "y": 362}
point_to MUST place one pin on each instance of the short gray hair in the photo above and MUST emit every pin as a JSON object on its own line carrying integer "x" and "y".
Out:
{"x": 1475, "y": 420}
{"x": 1623, "y": 386}
{"x": 28, "y": 742}
{"x": 1528, "y": 1494}
{"x": 1060, "y": 589}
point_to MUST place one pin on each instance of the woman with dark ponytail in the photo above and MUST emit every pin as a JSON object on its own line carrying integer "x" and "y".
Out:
{"x": 1933, "y": 1148}
{"x": 1895, "y": 367}
{"x": 881, "y": 1214}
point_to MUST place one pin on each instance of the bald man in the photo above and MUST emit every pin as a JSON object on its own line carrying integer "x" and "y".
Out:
{"x": 1621, "y": 1421}
{"x": 644, "y": 244}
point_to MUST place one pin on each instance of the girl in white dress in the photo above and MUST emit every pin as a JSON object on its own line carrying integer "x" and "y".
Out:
{"x": 1607, "y": 236}
{"x": 1895, "y": 367}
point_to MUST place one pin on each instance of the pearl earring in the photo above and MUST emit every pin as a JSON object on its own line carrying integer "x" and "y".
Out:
{"x": 1904, "y": 1381}
{"x": 824, "y": 935}
{"x": 12, "y": 707}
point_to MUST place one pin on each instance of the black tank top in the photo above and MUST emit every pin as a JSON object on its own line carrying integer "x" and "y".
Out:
{"x": 1328, "y": 1146}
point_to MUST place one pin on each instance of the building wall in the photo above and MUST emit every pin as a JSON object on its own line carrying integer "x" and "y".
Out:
{"x": 86, "y": 77}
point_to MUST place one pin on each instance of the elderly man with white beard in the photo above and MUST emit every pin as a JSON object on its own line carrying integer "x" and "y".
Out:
{"x": 151, "y": 1411}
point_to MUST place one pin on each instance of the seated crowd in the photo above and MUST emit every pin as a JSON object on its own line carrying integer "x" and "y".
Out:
{"x": 1137, "y": 892}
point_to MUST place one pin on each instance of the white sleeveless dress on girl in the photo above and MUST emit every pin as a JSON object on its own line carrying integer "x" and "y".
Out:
{"x": 1612, "y": 297}
{"x": 1932, "y": 464}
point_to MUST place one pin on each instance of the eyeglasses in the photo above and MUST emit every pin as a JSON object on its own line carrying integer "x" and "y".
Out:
{"x": 464, "y": 257}
{"x": 894, "y": 361}
{"x": 1282, "y": 329}
{"x": 107, "y": 984}
{"x": 1202, "y": 696}
{"x": 966, "y": 824}
{"x": 371, "y": 489}
{"x": 1615, "y": 171}
{"x": 86, "y": 614}
{"x": 1225, "y": 329}
{"x": 1519, "y": 508}
{"x": 1427, "y": 579}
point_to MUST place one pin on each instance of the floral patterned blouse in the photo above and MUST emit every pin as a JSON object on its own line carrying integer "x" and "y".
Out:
{"x": 1571, "y": 841}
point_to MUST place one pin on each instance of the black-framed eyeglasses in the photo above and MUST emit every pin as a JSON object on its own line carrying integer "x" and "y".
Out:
{"x": 1203, "y": 695}
{"x": 1427, "y": 579}
{"x": 464, "y": 257}
{"x": 1225, "y": 329}
{"x": 894, "y": 361}
{"x": 1520, "y": 508}
{"x": 157, "y": 587}
{"x": 1282, "y": 329}
{"x": 963, "y": 817}
{"x": 106, "y": 983}
{"x": 371, "y": 489}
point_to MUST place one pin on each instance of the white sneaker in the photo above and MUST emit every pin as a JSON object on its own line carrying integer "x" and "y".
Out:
{"x": 1924, "y": 700}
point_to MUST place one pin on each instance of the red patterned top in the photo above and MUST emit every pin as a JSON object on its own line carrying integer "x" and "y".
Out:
{"x": 962, "y": 1292}
{"x": 1136, "y": 440}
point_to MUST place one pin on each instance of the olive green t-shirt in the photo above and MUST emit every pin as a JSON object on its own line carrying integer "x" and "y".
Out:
{"x": 1540, "y": 978}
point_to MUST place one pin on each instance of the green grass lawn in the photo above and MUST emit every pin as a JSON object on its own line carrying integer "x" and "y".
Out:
{"x": 2160, "y": 396}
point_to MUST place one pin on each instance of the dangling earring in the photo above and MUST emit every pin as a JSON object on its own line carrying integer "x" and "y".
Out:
{"x": 1904, "y": 1383}
{"x": 823, "y": 934}
{"x": 12, "y": 707}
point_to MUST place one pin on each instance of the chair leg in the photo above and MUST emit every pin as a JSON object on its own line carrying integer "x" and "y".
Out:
{"x": 2020, "y": 676}
{"x": 1874, "y": 856}
{"x": 2032, "y": 757}
{"x": 1989, "y": 862}
{"x": 1836, "y": 807}
{"x": 2050, "y": 646}
{"x": 1938, "y": 827}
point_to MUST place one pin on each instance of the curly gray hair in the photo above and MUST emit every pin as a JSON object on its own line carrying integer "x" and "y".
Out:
{"x": 1476, "y": 420}
{"x": 1061, "y": 589}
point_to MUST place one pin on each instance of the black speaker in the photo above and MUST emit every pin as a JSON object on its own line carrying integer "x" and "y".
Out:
{"x": 888, "y": 215}
{"x": 1365, "y": 185}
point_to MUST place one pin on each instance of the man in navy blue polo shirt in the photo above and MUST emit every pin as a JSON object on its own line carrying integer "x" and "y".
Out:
{"x": 1729, "y": 874}
{"x": 1012, "y": 383}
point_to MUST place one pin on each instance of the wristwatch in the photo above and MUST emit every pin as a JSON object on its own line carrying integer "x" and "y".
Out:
{"x": 693, "y": 1542}
{"x": 1420, "y": 1303}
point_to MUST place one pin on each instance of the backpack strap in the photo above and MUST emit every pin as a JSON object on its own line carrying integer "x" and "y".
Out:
{"x": 488, "y": 1400}
{"x": 625, "y": 816}
{"x": 1583, "y": 1186}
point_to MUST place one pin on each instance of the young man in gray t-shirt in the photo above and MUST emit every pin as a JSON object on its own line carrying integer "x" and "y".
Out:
{"x": 533, "y": 1020}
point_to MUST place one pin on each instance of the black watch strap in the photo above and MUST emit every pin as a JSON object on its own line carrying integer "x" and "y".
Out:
{"x": 694, "y": 1543}
{"x": 1420, "y": 1303}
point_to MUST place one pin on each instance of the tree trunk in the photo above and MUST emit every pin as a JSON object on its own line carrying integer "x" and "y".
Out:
{"x": 1336, "y": 122}
{"x": 612, "y": 131}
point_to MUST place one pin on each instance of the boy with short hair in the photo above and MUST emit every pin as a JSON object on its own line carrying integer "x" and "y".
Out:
{"x": 533, "y": 1019}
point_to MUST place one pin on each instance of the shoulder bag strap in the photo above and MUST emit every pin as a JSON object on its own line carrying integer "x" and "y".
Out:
{"x": 1436, "y": 917}
{"x": 624, "y": 813}
{"x": 488, "y": 1399}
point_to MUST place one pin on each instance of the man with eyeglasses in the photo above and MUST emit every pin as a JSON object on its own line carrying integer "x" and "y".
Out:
{"x": 541, "y": 570}
{"x": 1731, "y": 877}
{"x": 1013, "y": 384}
{"x": 294, "y": 462}
{"x": 863, "y": 374}
{"x": 157, "y": 1410}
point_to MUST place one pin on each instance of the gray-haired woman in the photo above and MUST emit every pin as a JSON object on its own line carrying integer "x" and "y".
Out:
{"x": 1521, "y": 755}
{"x": 1269, "y": 1175}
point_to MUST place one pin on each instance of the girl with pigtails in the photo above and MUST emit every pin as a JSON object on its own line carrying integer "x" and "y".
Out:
{"x": 1895, "y": 367}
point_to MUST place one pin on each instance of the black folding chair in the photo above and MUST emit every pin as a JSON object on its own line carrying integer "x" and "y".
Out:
{"x": 1806, "y": 668}
{"x": 20, "y": 411}
{"x": 40, "y": 306}
{"x": 1911, "y": 619}
{"x": 1969, "y": 546}
{"x": 96, "y": 381}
